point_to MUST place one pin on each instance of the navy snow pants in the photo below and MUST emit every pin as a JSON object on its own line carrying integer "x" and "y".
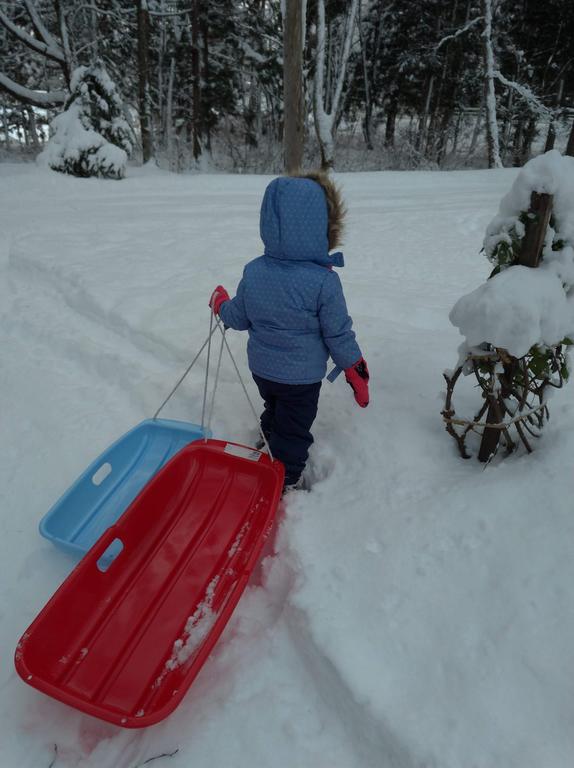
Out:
{"x": 290, "y": 411}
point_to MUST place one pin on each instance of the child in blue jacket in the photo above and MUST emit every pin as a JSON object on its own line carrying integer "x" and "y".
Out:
{"x": 291, "y": 302}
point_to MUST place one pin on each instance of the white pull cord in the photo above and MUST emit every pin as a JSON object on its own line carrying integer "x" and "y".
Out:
{"x": 224, "y": 341}
{"x": 211, "y": 316}
{"x": 207, "y": 343}
{"x": 188, "y": 369}
{"x": 216, "y": 381}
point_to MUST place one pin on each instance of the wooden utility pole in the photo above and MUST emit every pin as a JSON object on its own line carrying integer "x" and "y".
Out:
{"x": 143, "y": 46}
{"x": 294, "y": 126}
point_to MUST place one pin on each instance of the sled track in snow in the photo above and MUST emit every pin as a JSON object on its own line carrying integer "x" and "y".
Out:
{"x": 104, "y": 324}
{"x": 376, "y": 745}
{"x": 80, "y": 301}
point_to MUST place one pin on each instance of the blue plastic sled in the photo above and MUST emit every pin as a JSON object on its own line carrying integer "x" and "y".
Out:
{"x": 108, "y": 486}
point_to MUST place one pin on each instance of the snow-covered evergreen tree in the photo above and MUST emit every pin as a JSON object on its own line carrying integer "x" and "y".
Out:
{"x": 92, "y": 136}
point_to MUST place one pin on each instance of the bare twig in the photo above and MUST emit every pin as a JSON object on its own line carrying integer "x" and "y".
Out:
{"x": 157, "y": 757}
{"x": 53, "y": 763}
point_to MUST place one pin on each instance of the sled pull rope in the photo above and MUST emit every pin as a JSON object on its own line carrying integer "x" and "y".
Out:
{"x": 188, "y": 369}
{"x": 216, "y": 381}
{"x": 224, "y": 341}
{"x": 205, "y": 383}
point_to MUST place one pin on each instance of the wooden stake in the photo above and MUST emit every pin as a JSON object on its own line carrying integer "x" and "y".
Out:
{"x": 538, "y": 219}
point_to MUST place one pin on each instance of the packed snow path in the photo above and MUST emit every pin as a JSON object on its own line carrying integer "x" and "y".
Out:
{"x": 419, "y": 611}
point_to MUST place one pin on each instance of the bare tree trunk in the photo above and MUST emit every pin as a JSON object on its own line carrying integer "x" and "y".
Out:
{"x": 551, "y": 135}
{"x": 160, "y": 132}
{"x": 5, "y": 126}
{"x": 456, "y": 133}
{"x": 294, "y": 129}
{"x": 325, "y": 122}
{"x": 94, "y": 24}
{"x": 368, "y": 103}
{"x": 517, "y": 142}
{"x": 169, "y": 114}
{"x": 570, "y": 145}
{"x": 527, "y": 139}
{"x": 506, "y": 127}
{"x": 68, "y": 63}
{"x": 424, "y": 117}
{"x": 391, "y": 120}
{"x": 476, "y": 132}
{"x": 32, "y": 128}
{"x": 24, "y": 126}
{"x": 206, "y": 76}
{"x": 143, "y": 45}
{"x": 196, "y": 73}
{"x": 494, "y": 160}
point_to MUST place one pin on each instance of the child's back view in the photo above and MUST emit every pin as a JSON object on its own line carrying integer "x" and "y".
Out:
{"x": 292, "y": 304}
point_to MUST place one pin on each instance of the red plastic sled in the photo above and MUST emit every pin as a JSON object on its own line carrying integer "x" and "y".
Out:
{"x": 128, "y": 631}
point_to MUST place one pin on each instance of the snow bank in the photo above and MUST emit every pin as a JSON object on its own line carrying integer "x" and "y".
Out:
{"x": 521, "y": 307}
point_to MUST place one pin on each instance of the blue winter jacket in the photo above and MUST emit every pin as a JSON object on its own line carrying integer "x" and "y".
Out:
{"x": 289, "y": 299}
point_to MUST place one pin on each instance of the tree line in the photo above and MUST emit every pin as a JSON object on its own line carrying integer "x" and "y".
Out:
{"x": 402, "y": 83}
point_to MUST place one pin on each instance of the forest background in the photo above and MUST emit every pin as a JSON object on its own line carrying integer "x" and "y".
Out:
{"x": 387, "y": 84}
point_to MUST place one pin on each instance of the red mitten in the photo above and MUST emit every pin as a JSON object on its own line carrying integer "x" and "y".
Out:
{"x": 358, "y": 377}
{"x": 218, "y": 296}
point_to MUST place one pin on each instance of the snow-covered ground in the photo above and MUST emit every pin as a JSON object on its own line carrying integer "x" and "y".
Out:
{"x": 419, "y": 611}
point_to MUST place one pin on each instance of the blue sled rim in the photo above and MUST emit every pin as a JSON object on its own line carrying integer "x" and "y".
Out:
{"x": 103, "y": 492}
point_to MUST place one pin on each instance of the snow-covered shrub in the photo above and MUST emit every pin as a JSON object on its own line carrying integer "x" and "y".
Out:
{"x": 519, "y": 307}
{"x": 519, "y": 324}
{"x": 91, "y": 137}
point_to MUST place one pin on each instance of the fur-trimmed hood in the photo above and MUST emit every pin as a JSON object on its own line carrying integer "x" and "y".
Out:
{"x": 302, "y": 218}
{"x": 336, "y": 210}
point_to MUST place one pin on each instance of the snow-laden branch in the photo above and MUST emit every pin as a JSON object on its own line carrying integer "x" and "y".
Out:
{"x": 28, "y": 96}
{"x": 251, "y": 54}
{"x": 525, "y": 92}
{"x": 461, "y": 31}
{"x": 39, "y": 26}
{"x": 51, "y": 52}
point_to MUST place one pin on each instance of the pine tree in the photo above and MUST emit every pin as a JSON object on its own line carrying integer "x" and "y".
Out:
{"x": 91, "y": 137}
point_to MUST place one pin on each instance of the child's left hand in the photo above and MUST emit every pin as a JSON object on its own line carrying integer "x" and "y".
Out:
{"x": 358, "y": 377}
{"x": 218, "y": 297}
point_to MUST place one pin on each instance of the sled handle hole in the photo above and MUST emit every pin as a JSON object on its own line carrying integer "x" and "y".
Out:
{"x": 100, "y": 475}
{"x": 110, "y": 555}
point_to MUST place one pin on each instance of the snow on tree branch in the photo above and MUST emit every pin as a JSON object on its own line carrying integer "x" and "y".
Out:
{"x": 461, "y": 31}
{"x": 53, "y": 52}
{"x": 251, "y": 54}
{"x": 28, "y": 96}
{"x": 39, "y": 26}
{"x": 525, "y": 92}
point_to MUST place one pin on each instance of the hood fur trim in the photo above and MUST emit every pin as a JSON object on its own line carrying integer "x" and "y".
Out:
{"x": 335, "y": 205}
